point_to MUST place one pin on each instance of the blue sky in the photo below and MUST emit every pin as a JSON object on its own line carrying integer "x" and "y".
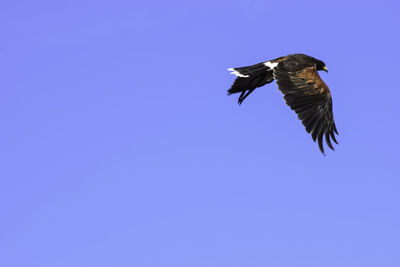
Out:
{"x": 120, "y": 147}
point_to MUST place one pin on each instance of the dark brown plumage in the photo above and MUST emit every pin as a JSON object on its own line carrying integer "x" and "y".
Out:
{"x": 304, "y": 91}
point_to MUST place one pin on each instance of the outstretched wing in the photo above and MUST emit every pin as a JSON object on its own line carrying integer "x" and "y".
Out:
{"x": 307, "y": 94}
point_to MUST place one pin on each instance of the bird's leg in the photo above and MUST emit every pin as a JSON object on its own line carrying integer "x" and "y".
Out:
{"x": 243, "y": 96}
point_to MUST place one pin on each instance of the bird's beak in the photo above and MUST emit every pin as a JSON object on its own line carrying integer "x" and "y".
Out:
{"x": 325, "y": 69}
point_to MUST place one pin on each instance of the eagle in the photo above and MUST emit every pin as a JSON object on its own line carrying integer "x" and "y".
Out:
{"x": 304, "y": 91}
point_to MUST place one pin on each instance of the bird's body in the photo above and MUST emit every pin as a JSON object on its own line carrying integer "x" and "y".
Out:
{"x": 304, "y": 91}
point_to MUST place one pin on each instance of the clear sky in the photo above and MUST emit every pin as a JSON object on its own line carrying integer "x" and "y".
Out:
{"x": 119, "y": 146}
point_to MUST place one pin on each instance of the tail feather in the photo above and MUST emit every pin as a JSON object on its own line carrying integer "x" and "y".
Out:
{"x": 250, "y": 70}
{"x": 249, "y": 78}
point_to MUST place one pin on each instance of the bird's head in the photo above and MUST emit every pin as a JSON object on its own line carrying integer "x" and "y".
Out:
{"x": 320, "y": 65}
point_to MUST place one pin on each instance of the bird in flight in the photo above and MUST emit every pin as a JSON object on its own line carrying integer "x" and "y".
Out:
{"x": 304, "y": 91}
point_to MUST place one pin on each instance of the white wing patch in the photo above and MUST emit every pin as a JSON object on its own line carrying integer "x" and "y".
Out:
{"x": 271, "y": 65}
{"x": 233, "y": 71}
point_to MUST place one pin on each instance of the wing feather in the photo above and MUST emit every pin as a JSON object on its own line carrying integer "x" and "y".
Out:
{"x": 307, "y": 94}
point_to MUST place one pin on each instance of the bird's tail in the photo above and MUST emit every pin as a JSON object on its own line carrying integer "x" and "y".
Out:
{"x": 249, "y": 78}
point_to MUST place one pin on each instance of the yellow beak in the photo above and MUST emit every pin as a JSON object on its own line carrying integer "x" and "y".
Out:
{"x": 325, "y": 69}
